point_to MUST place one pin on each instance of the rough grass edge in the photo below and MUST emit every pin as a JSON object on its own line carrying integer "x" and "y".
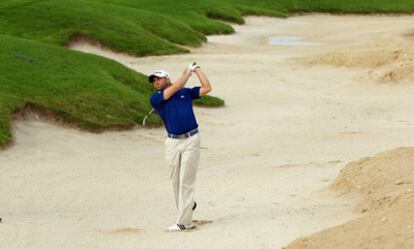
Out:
{"x": 49, "y": 115}
{"x": 83, "y": 38}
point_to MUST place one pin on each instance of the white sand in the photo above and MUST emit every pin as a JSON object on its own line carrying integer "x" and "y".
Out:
{"x": 287, "y": 130}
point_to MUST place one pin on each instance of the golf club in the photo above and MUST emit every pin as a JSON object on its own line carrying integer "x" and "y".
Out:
{"x": 149, "y": 114}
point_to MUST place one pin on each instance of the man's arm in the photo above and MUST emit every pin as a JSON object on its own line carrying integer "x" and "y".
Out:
{"x": 170, "y": 91}
{"x": 205, "y": 83}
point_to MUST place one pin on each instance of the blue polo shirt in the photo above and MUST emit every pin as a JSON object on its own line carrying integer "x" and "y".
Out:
{"x": 177, "y": 112}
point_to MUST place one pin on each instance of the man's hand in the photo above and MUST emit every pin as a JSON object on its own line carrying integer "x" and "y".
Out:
{"x": 193, "y": 66}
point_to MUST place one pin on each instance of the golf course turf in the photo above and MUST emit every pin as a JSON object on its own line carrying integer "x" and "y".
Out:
{"x": 95, "y": 93}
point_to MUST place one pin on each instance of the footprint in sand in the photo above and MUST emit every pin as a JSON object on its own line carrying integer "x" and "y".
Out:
{"x": 202, "y": 222}
{"x": 199, "y": 223}
{"x": 121, "y": 231}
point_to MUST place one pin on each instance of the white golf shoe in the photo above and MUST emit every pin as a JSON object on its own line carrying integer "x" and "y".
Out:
{"x": 179, "y": 227}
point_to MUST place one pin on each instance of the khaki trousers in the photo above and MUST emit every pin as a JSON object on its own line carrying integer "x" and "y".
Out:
{"x": 183, "y": 156}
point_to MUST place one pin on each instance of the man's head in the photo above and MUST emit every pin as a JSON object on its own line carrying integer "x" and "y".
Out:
{"x": 160, "y": 79}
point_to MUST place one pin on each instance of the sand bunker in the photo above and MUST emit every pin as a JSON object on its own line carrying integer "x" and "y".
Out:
{"x": 285, "y": 133}
{"x": 388, "y": 61}
{"x": 291, "y": 41}
{"x": 386, "y": 181}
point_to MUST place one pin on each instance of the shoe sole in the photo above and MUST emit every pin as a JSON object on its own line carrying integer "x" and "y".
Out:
{"x": 187, "y": 229}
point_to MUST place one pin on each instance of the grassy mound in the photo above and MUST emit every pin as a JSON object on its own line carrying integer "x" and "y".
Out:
{"x": 89, "y": 91}
{"x": 124, "y": 29}
{"x": 137, "y": 27}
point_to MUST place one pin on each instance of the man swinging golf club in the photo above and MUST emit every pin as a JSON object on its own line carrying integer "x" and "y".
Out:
{"x": 173, "y": 103}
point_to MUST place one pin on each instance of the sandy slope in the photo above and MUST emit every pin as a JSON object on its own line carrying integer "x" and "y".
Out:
{"x": 386, "y": 182}
{"x": 287, "y": 130}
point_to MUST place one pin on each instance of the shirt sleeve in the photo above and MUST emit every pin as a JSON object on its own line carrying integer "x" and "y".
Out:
{"x": 195, "y": 92}
{"x": 157, "y": 99}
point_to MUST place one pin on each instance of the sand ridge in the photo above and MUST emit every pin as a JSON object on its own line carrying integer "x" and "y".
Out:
{"x": 386, "y": 181}
{"x": 388, "y": 61}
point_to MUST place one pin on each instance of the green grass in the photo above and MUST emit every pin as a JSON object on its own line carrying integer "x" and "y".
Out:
{"x": 87, "y": 90}
{"x": 209, "y": 101}
{"x": 138, "y": 27}
{"x": 350, "y": 6}
{"x": 124, "y": 29}
{"x": 96, "y": 93}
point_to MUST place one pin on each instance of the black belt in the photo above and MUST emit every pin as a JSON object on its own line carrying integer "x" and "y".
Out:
{"x": 185, "y": 135}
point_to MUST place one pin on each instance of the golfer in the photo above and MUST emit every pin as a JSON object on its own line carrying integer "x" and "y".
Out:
{"x": 174, "y": 104}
